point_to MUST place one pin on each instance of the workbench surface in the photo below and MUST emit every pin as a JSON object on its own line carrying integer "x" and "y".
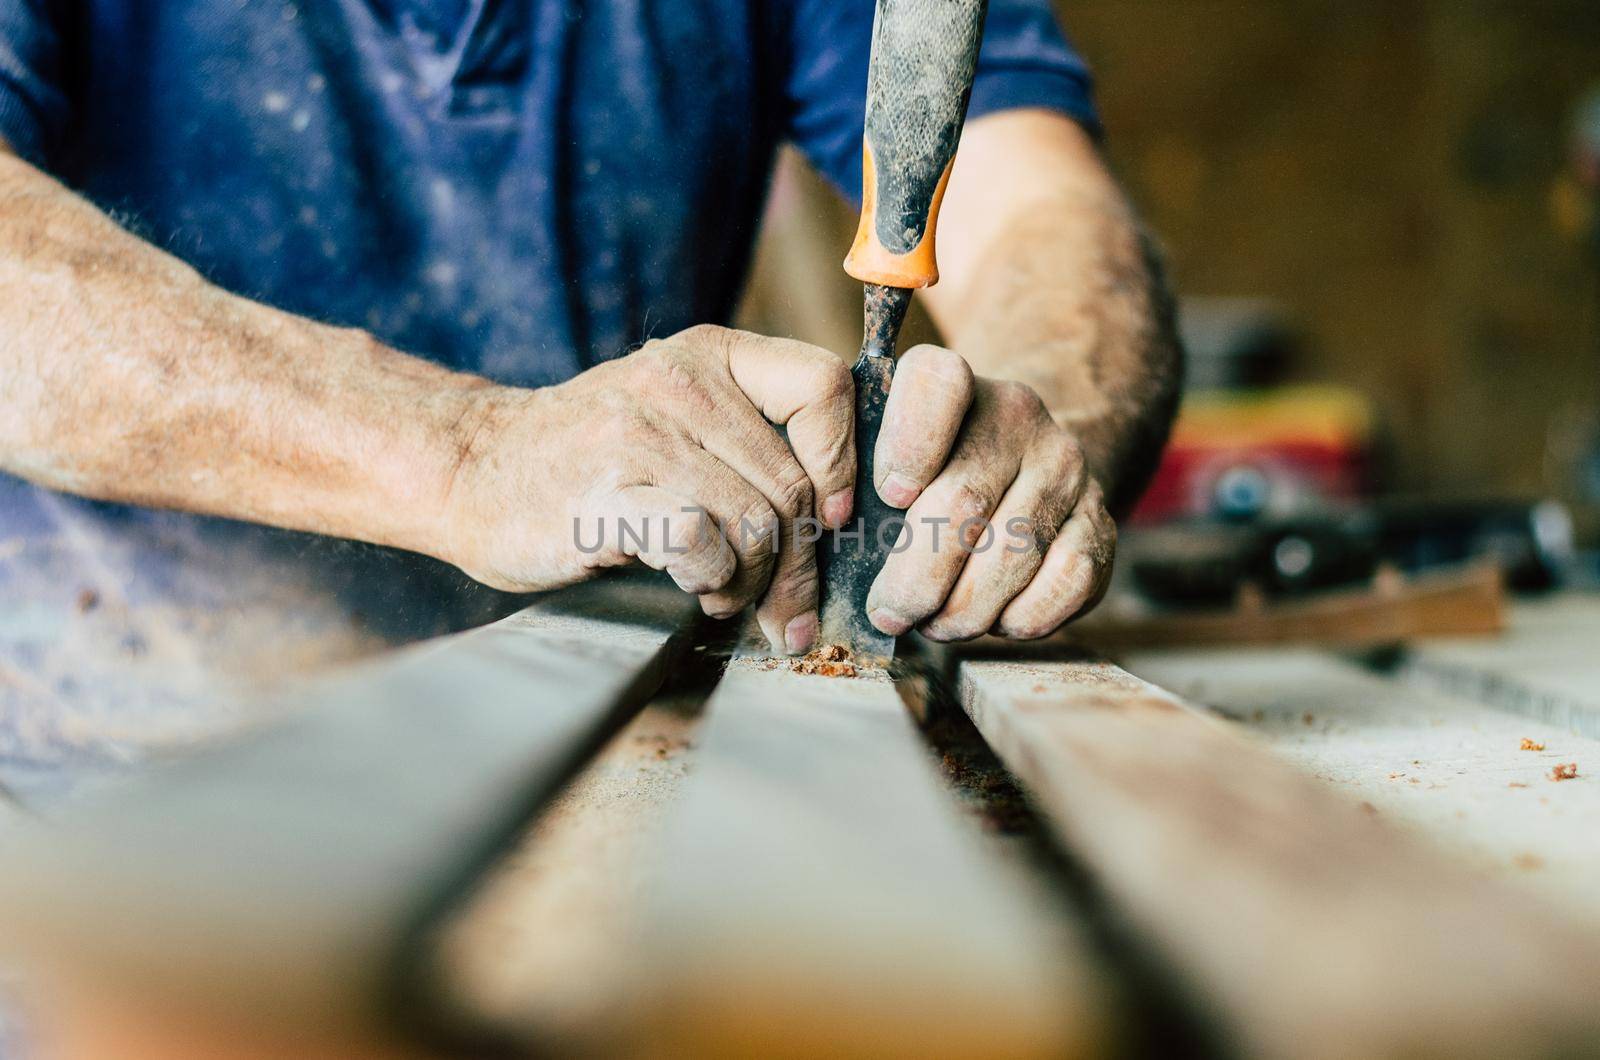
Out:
{"x": 545, "y": 939}
{"x": 1226, "y": 852}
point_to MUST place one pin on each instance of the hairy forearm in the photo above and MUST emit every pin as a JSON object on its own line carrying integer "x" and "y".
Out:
{"x": 1054, "y": 284}
{"x": 125, "y": 376}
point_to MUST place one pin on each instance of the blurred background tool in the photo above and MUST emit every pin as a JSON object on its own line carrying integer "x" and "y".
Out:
{"x": 924, "y": 53}
{"x": 1208, "y": 562}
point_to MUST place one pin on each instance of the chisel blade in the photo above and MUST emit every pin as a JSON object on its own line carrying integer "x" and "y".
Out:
{"x": 849, "y": 559}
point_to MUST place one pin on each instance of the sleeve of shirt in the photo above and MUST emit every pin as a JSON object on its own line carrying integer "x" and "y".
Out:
{"x": 33, "y": 107}
{"x": 1025, "y": 61}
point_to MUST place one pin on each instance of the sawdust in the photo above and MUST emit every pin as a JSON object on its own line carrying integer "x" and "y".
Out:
{"x": 980, "y": 781}
{"x": 1529, "y": 745}
{"x": 833, "y": 660}
{"x": 546, "y": 938}
{"x": 1565, "y": 771}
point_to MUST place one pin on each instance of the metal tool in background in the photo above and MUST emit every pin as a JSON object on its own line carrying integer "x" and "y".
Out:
{"x": 1204, "y": 562}
{"x": 924, "y": 54}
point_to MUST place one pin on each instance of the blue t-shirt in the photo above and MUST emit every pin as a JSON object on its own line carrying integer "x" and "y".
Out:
{"x": 517, "y": 188}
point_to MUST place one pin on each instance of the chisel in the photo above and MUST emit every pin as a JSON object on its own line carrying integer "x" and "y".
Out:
{"x": 919, "y": 78}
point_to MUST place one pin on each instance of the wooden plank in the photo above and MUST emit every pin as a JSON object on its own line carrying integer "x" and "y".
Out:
{"x": 1546, "y": 666}
{"x": 292, "y": 877}
{"x": 1468, "y": 603}
{"x": 1448, "y": 769}
{"x": 543, "y": 949}
{"x": 1306, "y": 925}
{"x": 819, "y": 895}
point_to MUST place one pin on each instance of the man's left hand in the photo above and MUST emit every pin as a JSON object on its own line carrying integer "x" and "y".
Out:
{"x": 1006, "y": 531}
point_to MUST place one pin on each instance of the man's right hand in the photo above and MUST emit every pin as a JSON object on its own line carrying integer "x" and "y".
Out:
{"x": 669, "y": 456}
{"x": 125, "y": 376}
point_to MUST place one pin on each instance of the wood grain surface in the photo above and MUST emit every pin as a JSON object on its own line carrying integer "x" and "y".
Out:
{"x": 819, "y": 895}
{"x": 291, "y": 878}
{"x": 1303, "y": 923}
{"x": 1547, "y": 666}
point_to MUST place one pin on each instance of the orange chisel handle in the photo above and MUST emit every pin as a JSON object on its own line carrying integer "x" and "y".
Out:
{"x": 924, "y": 53}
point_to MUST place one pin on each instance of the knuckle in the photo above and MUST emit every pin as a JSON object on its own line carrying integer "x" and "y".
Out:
{"x": 704, "y": 336}
{"x": 1104, "y": 549}
{"x": 794, "y": 496}
{"x": 756, "y": 528}
{"x": 832, "y": 380}
{"x": 680, "y": 373}
{"x": 967, "y": 501}
{"x": 1066, "y": 456}
{"x": 649, "y": 351}
{"x": 625, "y": 426}
{"x": 1044, "y": 529}
{"x": 1018, "y": 399}
{"x": 1076, "y": 582}
{"x": 789, "y": 593}
{"x": 686, "y": 533}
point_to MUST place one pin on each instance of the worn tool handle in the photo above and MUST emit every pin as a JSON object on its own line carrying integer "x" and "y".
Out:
{"x": 919, "y": 79}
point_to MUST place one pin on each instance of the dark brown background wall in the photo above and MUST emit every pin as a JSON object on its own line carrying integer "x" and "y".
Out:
{"x": 1392, "y": 171}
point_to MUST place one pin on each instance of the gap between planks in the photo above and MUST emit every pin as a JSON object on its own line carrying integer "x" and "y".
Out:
{"x": 818, "y": 893}
{"x": 291, "y": 878}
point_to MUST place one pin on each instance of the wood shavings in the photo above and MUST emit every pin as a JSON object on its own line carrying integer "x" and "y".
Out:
{"x": 834, "y": 660}
{"x": 1565, "y": 771}
{"x": 1530, "y": 745}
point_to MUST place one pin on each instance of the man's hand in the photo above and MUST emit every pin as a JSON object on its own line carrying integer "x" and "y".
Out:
{"x": 1005, "y": 530}
{"x": 669, "y": 456}
{"x": 1048, "y": 282}
{"x": 124, "y": 376}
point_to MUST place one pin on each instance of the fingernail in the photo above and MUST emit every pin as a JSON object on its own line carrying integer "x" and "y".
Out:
{"x": 836, "y": 509}
{"x": 800, "y": 633}
{"x": 719, "y": 609}
{"x": 898, "y": 490}
{"x": 888, "y": 621}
